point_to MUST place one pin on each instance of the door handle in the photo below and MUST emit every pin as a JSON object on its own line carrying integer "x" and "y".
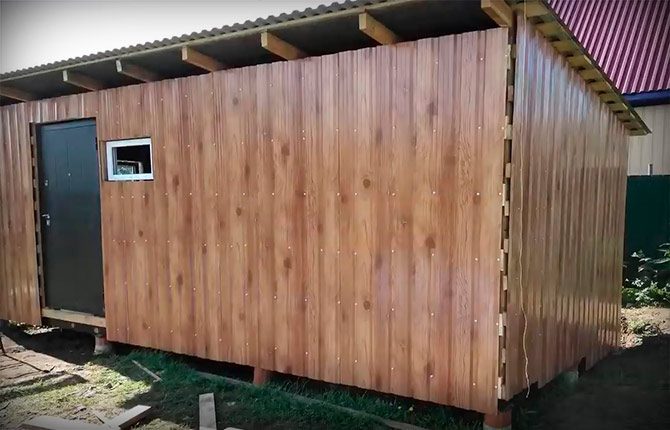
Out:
{"x": 47, "y": 218}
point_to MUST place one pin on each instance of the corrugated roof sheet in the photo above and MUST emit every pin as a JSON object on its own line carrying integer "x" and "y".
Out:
{"x": 629, "y": 39}
{"x": 260, "y": 22}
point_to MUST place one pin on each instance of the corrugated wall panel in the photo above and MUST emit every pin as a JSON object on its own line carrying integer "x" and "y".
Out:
{"x": 653, "y": 148}
{"x": 19, "y": 295}
{"x": 569, "y": 159}
{"x": 336, "y": 217}
{"x": 630, "y": 40}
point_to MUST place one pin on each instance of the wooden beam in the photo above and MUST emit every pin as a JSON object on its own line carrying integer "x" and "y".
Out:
{"x": 625, "y": 116}
{"x": 201, "y": 60}
{"x": 136, "y": 72}
{"x": 600, "y": 86}
{"x": 54, "y": 423}
{"x": 580, "y": 61}
{"x": 618, "y": 107}
{"x": 74, "y": 317}
{"x": 531, "y": 9}
{"x": 499, "y": 12}
{"x": 207, "y": 412}
{"x": 376, "y": 30}
{"x": 130, "y": 417}
{"x": 280, "y": 48}
{"x": 609, "y": 97}
{"x": 565, "y": 46}
{"x": 261, "y": 376}
{"x": 16, "y": 94}
{"x": 552, "y": 28}
{"x": 591, "y": 74}
{"x": 81, "y": 81}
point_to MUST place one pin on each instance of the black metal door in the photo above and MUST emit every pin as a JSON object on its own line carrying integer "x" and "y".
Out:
{"x": 70, "y": 217}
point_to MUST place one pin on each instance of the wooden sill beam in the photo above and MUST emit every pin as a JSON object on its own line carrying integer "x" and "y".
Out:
{"x": 499, "y": 12}
{"x": 376, "y": 30}
{"x": 136, "y": 72}
{"x": 16, "y": 94}
{"x": 280, "y": 48}
{"x": 82, "y": 81}
{"x": 198, "y": 59}
{"x": 74, "y": 317}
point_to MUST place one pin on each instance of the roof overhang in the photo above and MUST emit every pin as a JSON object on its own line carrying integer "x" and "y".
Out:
{"x": 325, "y": 30}
{"x": 320, "y": 31}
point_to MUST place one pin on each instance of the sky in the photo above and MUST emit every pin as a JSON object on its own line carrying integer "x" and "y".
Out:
{"x": 34, "y": 32}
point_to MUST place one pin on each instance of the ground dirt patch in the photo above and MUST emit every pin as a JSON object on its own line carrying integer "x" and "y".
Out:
{"x": 629, "y": 390}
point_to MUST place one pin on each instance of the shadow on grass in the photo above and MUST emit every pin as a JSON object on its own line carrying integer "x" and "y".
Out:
{"x": 67, "y": 345}
{"x": 37, "y": 386}
{"x": 175, "y": 399}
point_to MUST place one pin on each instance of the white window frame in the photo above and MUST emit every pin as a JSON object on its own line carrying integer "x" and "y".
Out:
{"x": 111, "y": 159}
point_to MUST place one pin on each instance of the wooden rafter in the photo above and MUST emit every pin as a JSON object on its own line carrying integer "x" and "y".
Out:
{"x": 581, "y": 61}
{"x": 499, "y": 12}
{"x": 280, "y": 48}
{"x": 82, "y": 81}
{"x": 531, "y": 9}
{"x": 376, "y": 30}
{"x": 198, "y": 59}
{"x": 16, "y": 94}
{"x": 566, "y": 46}
{"x": 590, "y": 74}
{"x": 136, "y": 72}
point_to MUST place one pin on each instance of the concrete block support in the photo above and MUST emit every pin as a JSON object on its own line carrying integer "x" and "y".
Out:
{"x": 500, "y": 421}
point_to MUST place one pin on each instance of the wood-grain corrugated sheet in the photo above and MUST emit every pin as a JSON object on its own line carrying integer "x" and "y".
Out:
{"x": 337, "y": 217}
{"x": 19, "y": 294}
{"x": 568, "y": 187}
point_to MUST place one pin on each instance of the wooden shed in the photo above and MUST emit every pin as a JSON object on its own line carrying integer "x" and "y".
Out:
{"x": 425, "y": 198}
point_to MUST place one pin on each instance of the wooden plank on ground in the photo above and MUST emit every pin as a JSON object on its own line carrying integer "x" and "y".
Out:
{"x": 147, "y": 371}
{"x": 54, "y": 423}
{"x": 130, "y": 417}
{"x": 207, "y": 412}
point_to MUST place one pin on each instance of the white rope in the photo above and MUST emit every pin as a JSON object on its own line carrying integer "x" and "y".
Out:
{"x": 523, "y": 310}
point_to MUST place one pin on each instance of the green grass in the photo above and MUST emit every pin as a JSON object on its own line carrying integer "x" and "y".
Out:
{"x": 175, "y": 399}
{"x": 422, "y": 414}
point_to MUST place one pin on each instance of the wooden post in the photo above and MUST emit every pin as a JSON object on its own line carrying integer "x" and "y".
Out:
{"x": 261, "y": 376}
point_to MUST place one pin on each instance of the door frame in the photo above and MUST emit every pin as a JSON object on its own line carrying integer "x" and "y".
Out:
{"x": 61, "y": 316}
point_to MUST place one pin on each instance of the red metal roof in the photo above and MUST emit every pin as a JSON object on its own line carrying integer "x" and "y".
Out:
{"x": 630, "y": 39}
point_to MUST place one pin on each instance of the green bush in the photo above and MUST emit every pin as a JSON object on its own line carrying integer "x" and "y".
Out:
{"x": 651, "y": 286}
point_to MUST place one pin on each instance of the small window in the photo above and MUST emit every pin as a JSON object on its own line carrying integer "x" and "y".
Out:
{"x": 129, "y": 160}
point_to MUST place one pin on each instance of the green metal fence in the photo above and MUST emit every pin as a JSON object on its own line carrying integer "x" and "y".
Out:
{"x": 647, "y": 216}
